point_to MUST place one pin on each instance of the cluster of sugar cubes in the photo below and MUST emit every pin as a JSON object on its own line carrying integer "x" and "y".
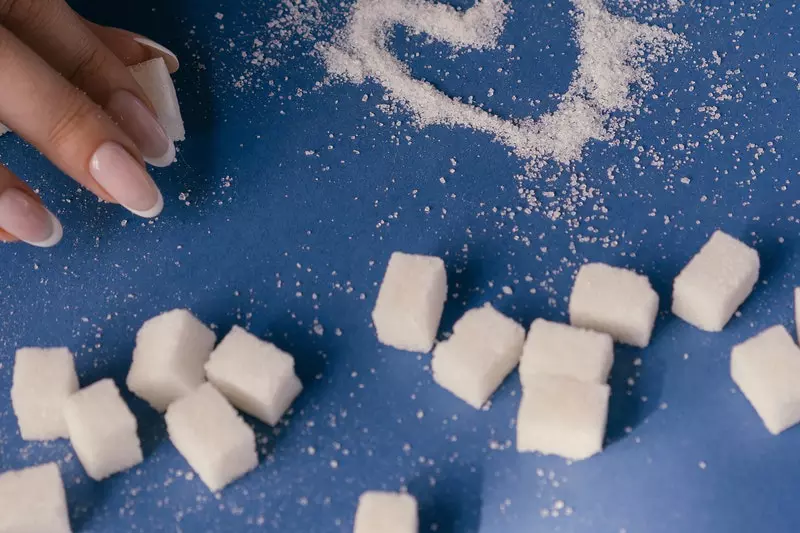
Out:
{"x": 173, "y": 357}
{"x": 707, "y": 293}
{"x": 32, "y": 500}
{"x": 485, "y": 345}
{"x": 564, "y": 405}
{"x": 386, "y": 512}
{"x": 564, "y": 369}
{"x": 48, "y": 405}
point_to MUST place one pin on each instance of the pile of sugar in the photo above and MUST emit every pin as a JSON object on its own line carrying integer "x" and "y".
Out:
{"x": 614, "y": 55}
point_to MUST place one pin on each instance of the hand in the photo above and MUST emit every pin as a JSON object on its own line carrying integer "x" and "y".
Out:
{"x": 65, "y": 89}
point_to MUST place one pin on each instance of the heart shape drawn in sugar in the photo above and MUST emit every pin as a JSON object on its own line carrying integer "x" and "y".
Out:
{"x": 614, "y": 53}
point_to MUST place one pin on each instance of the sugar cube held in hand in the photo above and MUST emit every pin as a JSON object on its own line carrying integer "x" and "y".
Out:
{"x": 32, "y": 500}
{"x": 3, "y": 129}
{"x": 153, "y": 76}
{"x": 43, "y": 380}
{"x": 410, "y": 302}
{"x": 386, "y": 512}
{"x": 767, "y": 370}
{"x": 171, "y": 350}
{"x": 562, "y": 416}
{"x": 563, "y": 350}
{"x": 102, "y": 430}
{"x": 715, "y": 283}
{"x": 212, "y": 437}
{"x": 484, "y": 348}
{"x": 615, "y": 301}
{"x": 255, "y": 375}
{"x": 797, "y": 311}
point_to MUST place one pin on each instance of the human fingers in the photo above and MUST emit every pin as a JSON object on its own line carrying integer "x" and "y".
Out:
{"x": 55, "y": 32}
{"x": 22, "y": 215}
{"x": 133, "y": 48}
{"x": 71, "y": 130}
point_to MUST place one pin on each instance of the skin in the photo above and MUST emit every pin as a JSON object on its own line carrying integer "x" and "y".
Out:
{"x": 59, "y": 72}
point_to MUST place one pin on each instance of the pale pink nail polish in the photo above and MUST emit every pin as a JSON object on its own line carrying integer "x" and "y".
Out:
{"x": 126, "y": 180}
{"x": 141, "y": 125}
{"x": 28, "y": 220}
{"x": 159, "y": 50}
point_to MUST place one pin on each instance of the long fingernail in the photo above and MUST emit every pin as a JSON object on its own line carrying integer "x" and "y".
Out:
{"x": 28, "y": 220}
{"x": 126, "y": 180}
{"x": 141, "y": 125}
{"x": 159, "y": 50}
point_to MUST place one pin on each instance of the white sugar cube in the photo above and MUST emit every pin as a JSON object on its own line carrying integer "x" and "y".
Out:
{"x": 767, "y": 370}
{"x": 562, "y": 416}
{"x": 255, "y": 375}
{"x": 171, "y": 350}
{"x": 3, "y": 129}
{"x": 563, "y": 350}
{"x": 410, "y": 302}
{"x": 153, "y": 76}
{"x": 615, "y": 301}
{"x": 102, "y": 430}
{"x": 484, "y": 348}
{"x": 715, "y": 283}
{"x": 43, "y": 380}
{"x": 32, "y": 500}
{"x": 386, "y": 512}
{"x": 212, "y": 437}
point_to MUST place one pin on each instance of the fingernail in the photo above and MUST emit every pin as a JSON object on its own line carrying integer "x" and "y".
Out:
{"x": 159, "y": 50}
{"x": 28, "y": 220}
{"x": 126, "y": 180}
{"x": 135, "y": 119}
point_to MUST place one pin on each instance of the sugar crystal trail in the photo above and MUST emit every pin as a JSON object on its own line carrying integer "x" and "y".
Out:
{"x": 612, "y": 60}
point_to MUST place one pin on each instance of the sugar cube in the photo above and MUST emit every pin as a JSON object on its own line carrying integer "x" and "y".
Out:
{"x": 767, "y": 370}
{"x": 153, "y": 76}
{"x": 212, "y": 437}
{"x": 255, "y": 375}
{"x": 484, "y": 348}
{"x": 32, "y": 500}
{"x": 615, "y": 301}
{"x": 715, "y": 283}
{"x": 43, "y": 380}
{"x": 102, "y": 430}
{"x": 386, "y": 512}
{"x": 3, "y": 129}
{"x": 564, "y": 350}
{"x": 562, "y": 416}
{"x": 171, "y": 350}
{"x": 410, "y": 302}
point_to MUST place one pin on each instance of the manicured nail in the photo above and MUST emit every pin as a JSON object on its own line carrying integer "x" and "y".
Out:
{"x": 162, "y": 51}
{"x": 142, "y": 127}
{"x": 126, "y": 180}
{"x": 28, "y": 220}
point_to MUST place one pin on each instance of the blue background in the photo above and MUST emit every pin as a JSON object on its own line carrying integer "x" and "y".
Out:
{"x": 258, "y": 233}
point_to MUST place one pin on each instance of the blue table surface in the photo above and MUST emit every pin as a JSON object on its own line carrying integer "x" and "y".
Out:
{"x": 285, "y": 204}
